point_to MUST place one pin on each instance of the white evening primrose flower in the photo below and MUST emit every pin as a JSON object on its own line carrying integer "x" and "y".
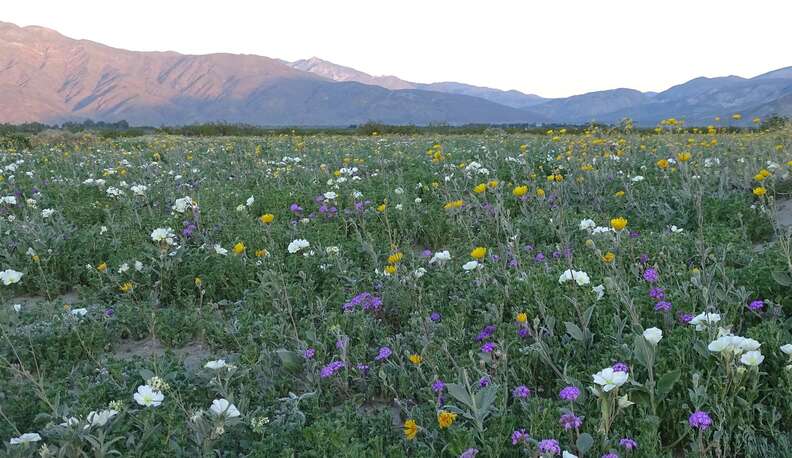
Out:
{"x": 163, "y": 235}
{"x": 578, "y": 276}
{"x": 419, "y": 272}
{"x": 214, "y": 365}
{"x": 440, "y": 257}
{"x": 752, "y": 358}
{"x": 10, "y": 276}
{"x": 25, "y": 438}
{"x": 330, "y": 195}
{"x": 47, "y": 212}
{"x": 587, "y": 224}
{"x": 148, "y": 397}
{"x": 609, "y": 379}
{"x": 101, "y": 417}
{"x": 79, "y": 312}
{"x": 653, "y": 335}
{"x": 470, "y": 265}
{"x": 566, "y": 454}
{"x": 221, "y": 407}
{"x": 139, "y": 189}
{"x": 786, "y": 349}
{"x": 250, "y": 200}
{"x": 220, "y": 250}
{"x": 18, "y": 308}
{"x": 9, "y": 200}
{"x": 599, "y": 290}
{"x": 182, "y": 205}
{"x": 138, "y": 266}
{"x": 676, "y": 230}
{"x": 297, "y": 245}
{"x": 702, "y": 320}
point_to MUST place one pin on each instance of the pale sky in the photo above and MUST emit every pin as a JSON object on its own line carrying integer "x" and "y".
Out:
{"x": 551, "y": 48}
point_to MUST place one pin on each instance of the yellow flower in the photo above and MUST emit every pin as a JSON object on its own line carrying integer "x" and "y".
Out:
{"x": 663, "y": 163}
{"x": 759, "y": 177}
{"x": 683, "y": 157}
{"x": 520, "y": 191}
{"x": 760, "y": 191}
{"x": 35, "y": 258}
{"x": 478, "y": 253}
{"x": 492, "y": 184}
{"x": 481, "y": 187}
{"x": 267, "y": 218}
{"x": 126, "y": 287}
{"x": 381, "y": 207}
{"x": 454, "y": 204}
{"x": 540, "y": 193}
{"x": 390, "y": 270}
{"x": 608, "y": 257}
{"x": 198, "y": 282}
{"x": 522, "y": 317}
{"x": 618, "y": 224}
{"x": 262, "y": 253}
{"x": 557, "y": 177}
{"x": 102, "y": 267}
{"x": 239, "y": 248}
{"x": 416, "y": 359}
{"x": 410, "y": 429}
{"x": 395, "y": 257}
{"x": 619, "y": 194}
{"x": 736, "y": 116}
{"x": 445, "y": 418}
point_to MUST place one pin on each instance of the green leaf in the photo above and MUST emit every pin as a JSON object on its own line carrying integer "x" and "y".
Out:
{"x": 782, "y": 278}
{"x": 573, "y": 330}
{"x": 146, "y": 374}
{"x": 666, "y": 383}
{"x": 460, "y": 393}
{"x": 291, "y": 360}
{"x": 584, "y": 443}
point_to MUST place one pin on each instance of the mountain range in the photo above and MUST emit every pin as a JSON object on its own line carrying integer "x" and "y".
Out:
{"x": 47, "y": 77}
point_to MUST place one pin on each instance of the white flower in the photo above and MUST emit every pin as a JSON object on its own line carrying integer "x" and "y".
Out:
{"x": 701, "y": 320}
{"x": 217, "y": 364}
{"x": 181, "y": 205}
{"x": 418, "y": 200}
{"x": 676, "y": 230}
{"x": 399, "y": 191}
{"x": 18, "y": 308}
{"x": 330, "y": 195}
{"x": 47, "y": 212}
{"x": 733, "y": 344}
{"x": 220, "y": 250}
{"x": 332, "y": 250}
{"x": 25, "y": 438}
{"x": 241, "y": 208}
{"x": 10, "y": 200}
{"x": 568, "y": 455}
{"x": 440, "y": 257}
{"x": 786, "y": 349}
{"x": 250, "y": 201}
{"x": 102, "y": 230}
{"x": 221, "y": 407}
{"x": 123, "y": 268}
{"x": 609, "y": 379}
{"x": 580, "y": 277}
{"x": 163, "y": 234}
{"x": 470, "y": 265}
{"x": 139, "y": 190}
{"x": 148, "y": 397}
{"x": 752, "y": 358}
{"x": 587, "y": 224}
{"x": 297, "y": 245}
{"x": 653, "y": 335}
{"x": 79, "y": 312}
{"x": 10, "y": 276}
{"x": 112, "y": 191}
{"x": 101, "y": 418}
{"x": 419, "y": 272}
{"x": 138, "y": 266}
{"x": 601, "y": 230}
{"x": 599, "y": 290}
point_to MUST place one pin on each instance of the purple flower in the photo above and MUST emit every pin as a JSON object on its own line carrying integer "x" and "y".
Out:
{"x": 384, "y": 353}
{"x": 663, "y": 306}
{"x": 109, "y": 312}
{"x": 756, "y": 305}
{"x": 621, "y": 367}
{"x": 426, "y": 253}
{"x": 700, "y": 420}
{"x": 657, "y": 294}
{"x": 570, "y": 421}
{"x": 469, "y": 453}
{"x": 365, "y": 300}
{"x": 341, "y": 343}
{"x": 610, "y": 455}
{"x": 438, "y": 386}
{"x": 650, "y": 275}
{"x": 436, "y": 317}
{"x": 519, "y": 436}
{"x": 521, "y": 391}
{"x": 309, "y": 353}
{"x": 295, "y": 208}
{"x": 540, "y": 257}
{"x": 524, "y": 332}
{"x": 330, "y": 369}
{"x": 488, "y": 347}
{"x": 550, "y": 446}
{"x": 628, "y": 443}
{"x": 363, "y": 368}
{"x": 569, "y": 393}
{"x": 643, "y": 259}
{"x": 486, "y": 333}
{"x": 188, "y": 230}
{"x": 484, "y": 381}
{"x": 634, "y": 234}
{"x": 684, "y": 318}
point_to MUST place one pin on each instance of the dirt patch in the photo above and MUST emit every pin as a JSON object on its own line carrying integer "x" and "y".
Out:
{"x": 193, "y": 355}
{"x": 70, "y": 297}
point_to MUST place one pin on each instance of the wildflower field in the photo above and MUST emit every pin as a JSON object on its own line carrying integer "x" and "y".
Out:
{"x": 598, "y": 294}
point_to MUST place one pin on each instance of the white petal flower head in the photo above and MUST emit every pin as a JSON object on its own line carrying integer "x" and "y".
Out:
{"x": 653, "y": 335}
{"x": 47, "y": 212}
{"x": 183, "y": 204}
{"x": 566, "y": 454}
{"x": 609, "y": 379}
{"x": 163, "y": 235}
{"x": 79, "y": 312}
{"x": 217, "y": 364}
{"x": 440, "y": 257}
{"x": 148, "y": 397}
{"x": 578, "y": 276}
{"x": 330, "y": 195}
{"x": 250, "y": 200}
{"x": 221, "y": 407}
{"x": 25, "y": 438}
{"x": 703, "y": 320}
{"x": 297, "y": 245}
{"x": 220, "y": 250}
{"x": 599, "y": 290}
{"x": 101, "y": 418}
{"x": 10, "y": 276}
{"x": 470, "y": 265}
{"x": 786, "y": 349}
{"x": 752, "y": 358}
{"x": 587, "y": 224}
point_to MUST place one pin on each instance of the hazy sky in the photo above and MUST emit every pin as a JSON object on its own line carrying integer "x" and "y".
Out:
{"x": 551, "y": 48}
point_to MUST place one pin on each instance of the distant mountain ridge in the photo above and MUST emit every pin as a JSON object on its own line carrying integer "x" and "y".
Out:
{"x": 47, "y": 77}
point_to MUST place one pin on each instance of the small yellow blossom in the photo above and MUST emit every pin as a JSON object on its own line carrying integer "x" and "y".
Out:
{"x": 618, "y": 224}
{"x": 239, "y": 248}
{"x": 478, "y": 253}
{"x": 416, "y": 359}
{"x": 267, "y": 218}
{"x": 410, "y": 429}
{"x": 445, "y": 418}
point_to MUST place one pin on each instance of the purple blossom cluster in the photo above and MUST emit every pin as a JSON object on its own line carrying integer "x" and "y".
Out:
{"x": 331, "y": 368}
{"x": 365, "y": 301}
